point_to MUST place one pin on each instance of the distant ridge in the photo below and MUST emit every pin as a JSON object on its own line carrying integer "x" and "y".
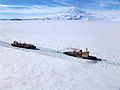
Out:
{"x": 18, "y": 19}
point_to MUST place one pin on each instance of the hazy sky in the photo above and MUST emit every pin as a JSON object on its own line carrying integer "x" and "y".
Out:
{"x": 99, "y": 4}
{"x": 12, "y": 8}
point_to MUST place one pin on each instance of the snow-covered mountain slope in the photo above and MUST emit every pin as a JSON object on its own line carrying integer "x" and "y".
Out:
{"x": 74, "y": 14}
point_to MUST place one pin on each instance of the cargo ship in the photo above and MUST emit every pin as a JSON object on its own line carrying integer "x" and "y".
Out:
{"x": 23, "y": 45}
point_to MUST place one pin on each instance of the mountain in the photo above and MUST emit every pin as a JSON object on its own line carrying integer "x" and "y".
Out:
{"x": 74, "y": 14}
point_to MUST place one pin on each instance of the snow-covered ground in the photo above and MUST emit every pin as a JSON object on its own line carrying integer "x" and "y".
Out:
{"x": 47, "y": 69}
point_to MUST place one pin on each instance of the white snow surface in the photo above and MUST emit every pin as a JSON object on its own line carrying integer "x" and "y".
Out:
{"x": 45, "y": 69}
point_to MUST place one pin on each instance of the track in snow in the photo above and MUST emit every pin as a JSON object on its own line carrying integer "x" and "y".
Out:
{"x": 53, "y": 53}
{"x": 39, "y": 50}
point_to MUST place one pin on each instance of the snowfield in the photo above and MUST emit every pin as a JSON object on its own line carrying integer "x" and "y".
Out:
{"x": 48, "y": 68}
